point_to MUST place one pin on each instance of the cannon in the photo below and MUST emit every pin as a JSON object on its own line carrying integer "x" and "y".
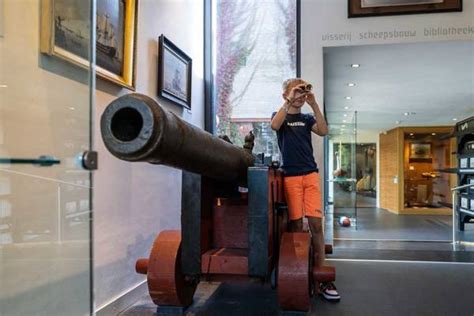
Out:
{"x": 233, "y": 214}
{"x": 135, "y": 128}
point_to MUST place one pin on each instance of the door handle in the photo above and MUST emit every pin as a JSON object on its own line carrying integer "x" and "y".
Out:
{"x": 41, "y": 161}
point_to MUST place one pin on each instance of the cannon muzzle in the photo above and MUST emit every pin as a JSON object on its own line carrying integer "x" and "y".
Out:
{"x": 135, "y": 127}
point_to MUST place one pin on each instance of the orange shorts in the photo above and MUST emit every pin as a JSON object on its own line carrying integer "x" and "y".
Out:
{"x": 303, "y": 196}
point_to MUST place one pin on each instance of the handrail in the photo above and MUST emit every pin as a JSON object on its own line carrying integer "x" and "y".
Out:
{"x": 462, "y": 187}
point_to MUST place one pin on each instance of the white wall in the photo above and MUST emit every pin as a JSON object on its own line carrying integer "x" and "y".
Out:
{"x": 322, "y": 20}
{"x": 133, "y": 202}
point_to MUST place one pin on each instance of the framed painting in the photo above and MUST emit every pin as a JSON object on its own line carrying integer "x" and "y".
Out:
{"x": 174, "y": 73}
{"x": 363, "y": 8}
{"x": 65, "y": 26}
{"x": 420, "y": 152}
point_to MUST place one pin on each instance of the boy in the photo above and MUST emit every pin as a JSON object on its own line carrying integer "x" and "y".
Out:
{"x": 302, "y": 180}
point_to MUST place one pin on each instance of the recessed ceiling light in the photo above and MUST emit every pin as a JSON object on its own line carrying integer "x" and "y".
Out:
{"x": 346, "y": 108}
{"x": 344, "y": 121}
{"x": 406, "y": 113}
{"x": 434, "y": 134}
{"x": 345, "y": 115}
{"x": 455, "y": 119}
{"x": 350, "y": 84}
{"x": 355, "y": 65}
{"x": 411, "y": 134}
{"x": 3, "y": 86}
{"x": 72, "y": 108}
{"x": 348, "y": 98}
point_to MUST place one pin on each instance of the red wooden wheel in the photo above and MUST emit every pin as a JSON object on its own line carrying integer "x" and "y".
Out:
{"x": 293, "y": 272}
{"x": 166, "y": 283}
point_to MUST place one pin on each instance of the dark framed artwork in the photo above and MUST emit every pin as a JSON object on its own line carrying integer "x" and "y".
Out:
{"x": 174, "y": 73}
{"x": 364, "y": 8}
{"x": 65, "y": 26}
{"x": 420, "y": 152}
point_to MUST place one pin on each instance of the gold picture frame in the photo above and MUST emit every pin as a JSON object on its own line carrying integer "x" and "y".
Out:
{"x": 120, "y": 69}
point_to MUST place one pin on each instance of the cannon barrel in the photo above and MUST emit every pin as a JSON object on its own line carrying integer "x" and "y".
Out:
{"x": 135, "y": 127}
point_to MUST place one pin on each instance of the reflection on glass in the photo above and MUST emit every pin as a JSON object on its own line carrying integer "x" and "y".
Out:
{"x": 45, "y": 216}
{"x": 342, "y": 167}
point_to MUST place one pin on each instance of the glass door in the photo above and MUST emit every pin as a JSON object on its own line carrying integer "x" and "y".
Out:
{"x": 46, "y": 84}
{"x": 341, "y": 173}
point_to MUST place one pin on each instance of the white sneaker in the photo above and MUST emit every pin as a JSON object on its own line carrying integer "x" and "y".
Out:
{"x": 328, "y": 291}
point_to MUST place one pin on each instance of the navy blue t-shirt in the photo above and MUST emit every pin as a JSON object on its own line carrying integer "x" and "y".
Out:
{"x": 294, "y": 141}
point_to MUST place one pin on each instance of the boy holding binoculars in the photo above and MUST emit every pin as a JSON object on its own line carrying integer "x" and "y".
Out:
{"x": 301, "y": 177}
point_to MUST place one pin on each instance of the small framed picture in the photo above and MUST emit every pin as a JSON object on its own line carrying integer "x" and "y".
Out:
{"x": 420, "y": 152}
{"x": 174, "y": 73}
{"x": 362, "y": 8}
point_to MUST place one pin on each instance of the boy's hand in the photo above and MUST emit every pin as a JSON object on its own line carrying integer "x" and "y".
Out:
{"x": 311, "y": 99}
{"x": 296, "y": 93}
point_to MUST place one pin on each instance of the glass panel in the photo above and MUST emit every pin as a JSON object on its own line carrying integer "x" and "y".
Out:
{"x": 45, "y": 217}
{"x": 254, "y": 52}
{"x": 342, "y": 172}
{"x": 366, "y": 168}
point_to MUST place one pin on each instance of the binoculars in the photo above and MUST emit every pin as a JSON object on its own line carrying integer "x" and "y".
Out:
{"x": 305, "y": 87}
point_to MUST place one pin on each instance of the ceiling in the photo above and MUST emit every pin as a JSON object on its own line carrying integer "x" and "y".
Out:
{"x": 432, "y": 82}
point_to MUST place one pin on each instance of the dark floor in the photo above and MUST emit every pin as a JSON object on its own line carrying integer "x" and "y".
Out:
{"x": 391, "y": 265}
{"x": 367, "y": 288}
{"x": 379, "y": 224}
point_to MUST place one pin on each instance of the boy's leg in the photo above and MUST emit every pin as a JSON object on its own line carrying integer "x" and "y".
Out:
{"x": 294, "y": 198}
{"x": 312, "y": 205}
{"x": 296, "y": 225}
{"x": 317, "y": 240}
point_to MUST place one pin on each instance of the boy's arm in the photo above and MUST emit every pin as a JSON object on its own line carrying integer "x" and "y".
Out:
{"x": 280, "y": 116}
{"x": 320, "y": 127}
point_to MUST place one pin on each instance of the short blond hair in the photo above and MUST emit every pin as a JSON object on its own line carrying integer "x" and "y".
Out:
{"x": 288, "y": 84}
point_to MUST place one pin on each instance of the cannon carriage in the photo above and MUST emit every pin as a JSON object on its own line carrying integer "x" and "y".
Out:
{"x": 233, "y": 215}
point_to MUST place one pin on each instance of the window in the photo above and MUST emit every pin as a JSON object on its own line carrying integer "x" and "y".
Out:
{"x": 255, "y": 48}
